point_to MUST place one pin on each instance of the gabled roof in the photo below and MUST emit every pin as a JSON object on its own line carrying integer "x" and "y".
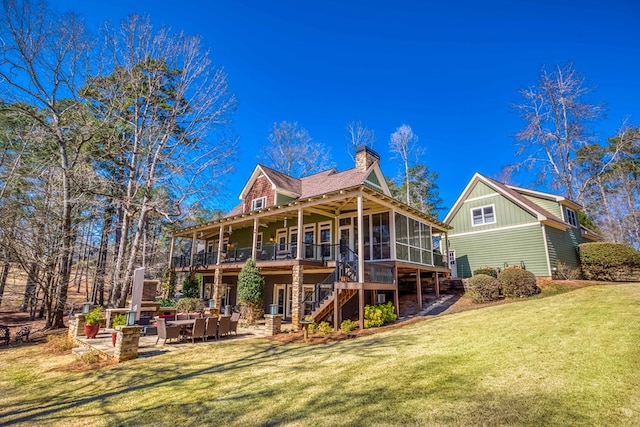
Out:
{"x": 312, "y": 185}
{"x": 514, "y": 194}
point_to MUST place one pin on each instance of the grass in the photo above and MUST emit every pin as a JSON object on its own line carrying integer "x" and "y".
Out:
{"x": 569, "y": 359}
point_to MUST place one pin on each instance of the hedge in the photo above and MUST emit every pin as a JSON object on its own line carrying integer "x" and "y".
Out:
{"x": 482, "y": 288}
{"x": 608, "y": 261}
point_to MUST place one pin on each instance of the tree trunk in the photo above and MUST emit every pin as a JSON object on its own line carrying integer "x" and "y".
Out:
{"x": 3, "y": 277}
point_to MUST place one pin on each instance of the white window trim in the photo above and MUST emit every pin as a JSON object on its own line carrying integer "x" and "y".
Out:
{"x": 575, "y": 216}
{"x": 259, "y": 200}
{"x": 495, "y": 219}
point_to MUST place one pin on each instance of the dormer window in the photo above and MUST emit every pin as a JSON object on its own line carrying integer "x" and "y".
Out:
{"x": 483, "y": 215}
{"x": 571, "y": 217}
{"x": 258, "y": 203}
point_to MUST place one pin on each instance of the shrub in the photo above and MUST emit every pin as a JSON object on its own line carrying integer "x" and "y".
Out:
{"x": 378, "y": 315}
{"x": 59, "y": 343}
{"x": 567, "y": 272}
{"x": 191, "y": 285}
{"x": 482, "y": 288}
{"x": 517, "y": 282}
{"x": 608, "y": 261}
{"x": 189, "y": 305}
{"x": 347, "y": 326}
{"x": 166, "y": 302}
{"x": 324, "y": 328}
{"x": 251, "y": 291}
{"x": 118, "y": 320}
{"x": 489, "y": 271}
{"x": 94, "y": 316}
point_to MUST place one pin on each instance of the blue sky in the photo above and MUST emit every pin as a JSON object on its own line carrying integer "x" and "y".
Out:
{"x": 449, "y": 69}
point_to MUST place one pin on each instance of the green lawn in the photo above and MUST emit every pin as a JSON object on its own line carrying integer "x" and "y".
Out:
{"x": 569, "y": 359}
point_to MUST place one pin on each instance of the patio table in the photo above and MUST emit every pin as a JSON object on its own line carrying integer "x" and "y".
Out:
{"x": 184, "y": 324}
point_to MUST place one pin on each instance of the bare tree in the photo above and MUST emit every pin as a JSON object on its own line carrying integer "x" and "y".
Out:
{"x": 292, "y": 151}
{"x": 42, "y": 60}
{"x": 403, "y": 143}
{"x": 358, "y": 135}
{"x": 168, "y": 107}
{"x": 556, "y": 117}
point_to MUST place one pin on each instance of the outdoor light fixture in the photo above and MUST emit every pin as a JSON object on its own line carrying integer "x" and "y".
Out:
{"x": 86, "y": 307}
{"x": 131, "y": 317}
{"x": 230, "y": 230}
{"x": 285, "y": 221}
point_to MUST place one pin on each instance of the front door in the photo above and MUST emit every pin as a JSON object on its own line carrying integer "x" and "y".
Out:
{"x": 451, "y": 259}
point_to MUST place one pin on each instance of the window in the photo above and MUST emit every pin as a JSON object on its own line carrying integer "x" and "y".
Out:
{"x": 571, "y": 217}
{"x": 413, "y": 240}
{"x": 309, "y": 241}
{"x": 325, "y": 239}
{"x": 259, "y": 242}
{"x": 258, "y": 203}
{"x": 483, "y": 215}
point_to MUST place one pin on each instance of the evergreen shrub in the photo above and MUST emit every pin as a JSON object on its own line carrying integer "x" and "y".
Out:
{"x": 378, "y": 315}
{"x": 482, "y": 288}
{"x": 251, "y": 292}
{"x": 518, "y": 282}
{"x": 608, "y": 261}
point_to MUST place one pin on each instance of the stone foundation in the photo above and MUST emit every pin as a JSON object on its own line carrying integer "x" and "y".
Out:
{"x": 76, "y": 326}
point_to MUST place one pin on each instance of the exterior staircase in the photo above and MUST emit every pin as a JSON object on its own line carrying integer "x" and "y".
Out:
{"x": 326, "y": 306}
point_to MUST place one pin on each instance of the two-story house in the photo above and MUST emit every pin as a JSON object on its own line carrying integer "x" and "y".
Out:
{"x": 327, "y": 244}
{"x": 497, "y": 225}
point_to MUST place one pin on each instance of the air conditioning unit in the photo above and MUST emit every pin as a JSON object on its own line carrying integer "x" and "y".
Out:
{"x": 382, "y": 298}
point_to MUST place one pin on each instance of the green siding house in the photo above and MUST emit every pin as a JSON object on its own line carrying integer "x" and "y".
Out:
{"x": 499, "y": 225}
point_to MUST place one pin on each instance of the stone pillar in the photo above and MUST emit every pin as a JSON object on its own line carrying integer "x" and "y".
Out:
{"x": 76, "y": 326}
{"x": 297, "y": 293}
{"x": 273, "y": 323}
{"x": 217, "y": 282}
{"x": 127, "y": 343}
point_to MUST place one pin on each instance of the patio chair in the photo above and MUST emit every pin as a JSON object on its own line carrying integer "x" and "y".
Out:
{"x": 233, "y": 323}
{"x": 5, "y": 334}
{"x": 23, "y": 334}
{"x": 212, "y": 328}
{"x": 167, "y": 332}
{"x": 223, "y": 325}
{"x": 182, "y": 316}
{"x": 198, "y": 330}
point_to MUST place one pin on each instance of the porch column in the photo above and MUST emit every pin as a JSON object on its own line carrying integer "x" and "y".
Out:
{"x": 336, "y": 309}
{"x": 299, "y": 248}
{"x": 255, "y": 239}
{"x": 419, "y": 286}
{"x": 361, "y": 305}
{"x": 297, "y": 306}
{"x": 217, "y": 283}
{"x": 173, "y": 241}
{"x": 194, "y": 245}
{"x": 220, "y": 243}
{"x": 437, "y": 286}
{"x": 360, "y": 243}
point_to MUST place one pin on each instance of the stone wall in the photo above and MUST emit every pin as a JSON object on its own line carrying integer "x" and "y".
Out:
{"x": 273, "y": 324}
{"x": 127, "y": 343}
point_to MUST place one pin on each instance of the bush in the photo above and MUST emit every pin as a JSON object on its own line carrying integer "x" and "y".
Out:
{"x": 191, "y": 285}
{"x": 347, "y": 326}
{"x": 482, "y": 288}
{"x": 517, "y": 282}
{"x": 166, "y": 302}
{"x": 251, "y": 291}
{"x": 608, "y": 261}
{"x": 60, "y": 343}
{"x": 324, "y": 328}
{"x": 118, "y": 320}
{"x": 378, "y": 315}
{"x": 489, "y": 271}
{"x": 190, "y": 305}
{"x": 94, "y": 316}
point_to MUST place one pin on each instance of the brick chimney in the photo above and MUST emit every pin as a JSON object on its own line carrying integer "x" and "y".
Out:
{"x": 365, "y": 157}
